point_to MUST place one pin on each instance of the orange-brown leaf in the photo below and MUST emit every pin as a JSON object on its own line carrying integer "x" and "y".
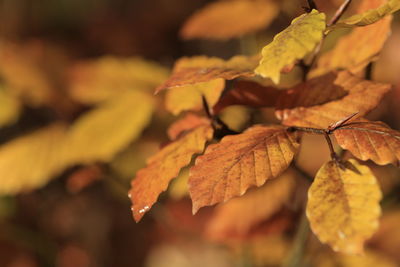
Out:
{"x": 228, "y": 19}
{"x": 239, "y": 215}
{"x": 163, "y": 167}
{"x": 203, "y": 69}
{"x": 370, "y": 140}
{"x": 327, "y": 99}
{"x": 187, "y": 123}
{"x": 238, "y": 162}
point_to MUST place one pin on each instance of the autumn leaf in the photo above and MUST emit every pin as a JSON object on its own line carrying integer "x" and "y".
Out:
{"x": 327, "y": 99}
{"x": 375, "y": 11}
{"x": 189, "y": 122}
{"x": 163, "y": 167}
{"x": 10, "y": 107}
{"x": 239, "y": 215}
{"x": 343, "y": 206}
{"x": 293, "y": 43}
{"x": 238, "y": 162}
{"x": 95, "y": 81}
{"x": 99, "y": 134}
{"x": 370, "y": 140}
{"x": 204, "y": 69}
{"x": 30, "y": 161}
{"x": 219, "y": 20}
{"x": 190, "y": 97}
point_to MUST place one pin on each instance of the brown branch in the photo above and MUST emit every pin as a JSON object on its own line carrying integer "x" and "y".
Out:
{"x": 311, "y": 5}
{"x": 339, "y": 13}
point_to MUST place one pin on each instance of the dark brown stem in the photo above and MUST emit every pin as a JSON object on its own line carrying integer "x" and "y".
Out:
{"x": 369, "y": 70}
{"x": 334, "y": 156}
{"x": 311, "y": 5}
{"x": 339, "y": 13}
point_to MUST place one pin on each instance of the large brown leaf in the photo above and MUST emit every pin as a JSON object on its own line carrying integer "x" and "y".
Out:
{"x": 163, "y": 167}
{"x": 370, "y": 140}
{"x": 203, "y": 69}
{"x": 327, "y": 99}
{"x": 238, "y": 162}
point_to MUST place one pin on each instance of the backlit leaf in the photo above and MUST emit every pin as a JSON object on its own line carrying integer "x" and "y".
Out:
{"x": 370, "y": 140}
{"x": 238, "y": 162}
{"x": 343, "y": 206}
{"x": 239, "y": 215}
{"x": 189, "y": 97}
{"x": 375, "y": 10}
{"x": 293, "y": 43}
{"x": 203, "y": 69}
{"x": 327, "y": 99}
{"x": 163, "y": 167}
{"x": 219, "y": 20}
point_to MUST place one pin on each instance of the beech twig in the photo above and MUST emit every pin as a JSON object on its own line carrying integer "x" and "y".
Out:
{"x": 339, "y": 13}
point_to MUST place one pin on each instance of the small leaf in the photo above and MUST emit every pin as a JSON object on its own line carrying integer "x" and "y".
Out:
{"x": 163, "y": 167}
{"x": 343, "y": 206}
{"x": 239, "y": 215}
{"x": 238, "y": 162}
{"x": 293, "y": 43}
{"x": 203, "y": 69}
{"x": 219, "y": 20}
{"x": 189, "y": 97}
{"x": 187, "y": 123}
{"x": 370, "y": 140}
{"x": 375, "y": 10}
{"x": 327, "y": 99}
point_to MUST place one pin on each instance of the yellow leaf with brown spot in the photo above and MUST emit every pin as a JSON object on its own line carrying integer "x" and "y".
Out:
{"x": 370, "y": 140}
{"x": 324, "y": 100}
{"x": 190, "y": 97}
{"x": 238, "y": 162}
{"x": 239, "y": 215}
{"x": 204, "y": 69}
{"x": 343, "y": 206}
{"x": 293, "y": 43}
{"x": 163, "y": 167}
{"x": 219, "y": 20}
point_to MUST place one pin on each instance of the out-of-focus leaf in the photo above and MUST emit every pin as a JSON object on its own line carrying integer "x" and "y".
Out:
{"x": 375, "y": 11}
{"x": 219, "y": 20}
{"x": 238, "y": 162}
{"x": 10, "y": 108}
{"x": 30, "y": 161}
{"x": 97, "y": 80}
{"x": 370, "y": 140}
{"x": 327, "y": 99}
{"x": 237, "y": 118}
{"x": 203, "y": 69}
{"x": 163, "y": 167}
{"x": 293, "y": 43}
{"x": 189, "y": 97}
{"x": 343, "y": 206}
{"x": 101, "y": 133}
{"x": 239, "y": 215}
{"x": 83, "y": 178}
{"x": 179, "y": 186}
{"x": 187, "y": 123}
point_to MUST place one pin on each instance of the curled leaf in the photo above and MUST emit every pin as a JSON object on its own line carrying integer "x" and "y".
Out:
{"x": 343, "y": 206}
{"x": 238, "y": 162}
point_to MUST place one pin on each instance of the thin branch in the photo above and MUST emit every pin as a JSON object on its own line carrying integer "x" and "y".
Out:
{"x": 339, "y": 13}
{"x": 311, "y": 5}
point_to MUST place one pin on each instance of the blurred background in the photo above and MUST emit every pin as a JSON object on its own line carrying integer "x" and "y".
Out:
{"x": 76, "y": 73}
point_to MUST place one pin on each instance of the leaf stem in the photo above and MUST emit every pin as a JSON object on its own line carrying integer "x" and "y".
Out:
{"x": 334, "y": 156}
{"x": 311, "y": 5}
{"x": 339, "y": 12}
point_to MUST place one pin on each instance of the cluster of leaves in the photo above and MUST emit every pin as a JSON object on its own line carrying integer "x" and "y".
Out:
{"x": 343, "y": 200}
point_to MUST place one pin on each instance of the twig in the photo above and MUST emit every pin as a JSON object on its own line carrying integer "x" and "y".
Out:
{"x": 311, "y": 5}
{"x": 339, "y": 13}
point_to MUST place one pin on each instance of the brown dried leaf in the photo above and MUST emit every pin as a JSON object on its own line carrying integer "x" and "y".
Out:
{"x": 327, "y": 99}
{"x": 370, "y": 140}
{"x": 238, "y": 162}
{"x": 163, "y": 167}
{"x": 203, "y": 69}
{"x": 239, "y": 215}
{"x": 187, "y": 123}
{"x": 219, "y": 20}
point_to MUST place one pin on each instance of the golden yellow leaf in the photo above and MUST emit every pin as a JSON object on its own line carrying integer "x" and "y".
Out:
{"x": 163, "y": 167}
{"x": 10, "y": 108}
{"x": 239, "y": 215}
{"x": 238, "y": 162}
{"x": 203, "y": 69}
{"x": 219, "y": 20}
{"x": 189, "y": 97}
{"x": 375, "y": 11}
{"x": 343, "y": 206}
{"x": 293, "y": 43}
{"x": 324, "y": 100}
{"x": 97, "y": 80}
{"x": 370, "y": 140}
{"x": 30, "y": 161}
{"x": 99, "y": 134}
